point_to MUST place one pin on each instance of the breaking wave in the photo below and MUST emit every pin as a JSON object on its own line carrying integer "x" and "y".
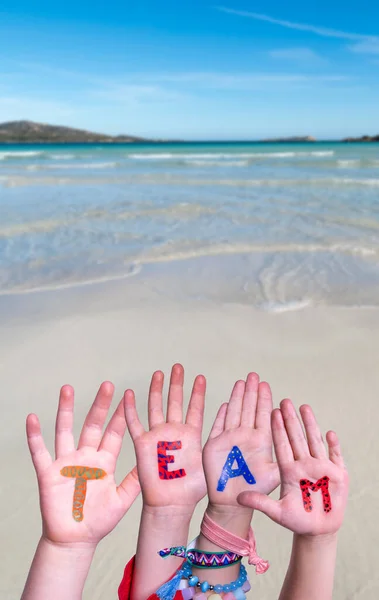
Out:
{"x": 230, "y": 155}
{"x": 10, "y": 154}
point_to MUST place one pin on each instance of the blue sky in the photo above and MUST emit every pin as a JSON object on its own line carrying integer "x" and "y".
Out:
{"x": 192, "y": 69}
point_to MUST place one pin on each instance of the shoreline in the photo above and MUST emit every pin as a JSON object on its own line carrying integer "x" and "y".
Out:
{"x": 233, "y": 276}
{"x": 147, "y": 142}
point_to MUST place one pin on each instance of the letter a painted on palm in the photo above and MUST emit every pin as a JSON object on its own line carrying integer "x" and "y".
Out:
{"x": 235, "y": 455}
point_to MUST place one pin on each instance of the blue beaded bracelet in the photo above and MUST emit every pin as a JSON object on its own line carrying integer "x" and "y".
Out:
{"x": 193, "y": 581}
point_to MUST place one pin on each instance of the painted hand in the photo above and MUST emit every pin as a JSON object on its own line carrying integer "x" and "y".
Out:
{"x": 169, "y": 454}
{"x": 314, "y": 488}
{"x": 81, "y": 505}
{"x": 238, "y": 453}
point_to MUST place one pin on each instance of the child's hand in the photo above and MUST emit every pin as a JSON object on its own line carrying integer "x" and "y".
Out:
{"x": 183, "y": 489}
{"x": 243, "y": 423}
{"x": 70, "y": 514}
{"x": 314, "y": 488}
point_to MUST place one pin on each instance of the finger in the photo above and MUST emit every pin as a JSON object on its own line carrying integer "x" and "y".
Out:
{"x": 219, "y": 422}
{"x": 264, "y": 407}
{"x": 294, "y": 430}
{"x": 113, "y": 435}
{"x": 335, "y": 454}
{"x": 92, "y": 429}
{"x": 155, "y": 408}
{"x": 131, "y": 416}
{"x": 175, "y": 395}
{"x": 195, "y": 412}
{"x": 250, "y": 400}
{"x": 40, "y": 455}
{"x": 312, "y": 430}
{"x": 261, "y": 502}
{"x": 233, "y": 414}
{"x": 64, "y": 438}
{"x": 283, "y": 450}
{"x": 129, "y": 488}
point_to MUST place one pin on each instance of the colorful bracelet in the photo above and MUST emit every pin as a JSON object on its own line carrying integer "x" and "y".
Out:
{"x": 179, "y": 551}
{"x": 233, "y": 591}
{"x": 189, "y": 593}
{"x": 224, "y": 539}
{"x": 201, "y": 559}
{"x": 193, "y": 581}
{"x": 212, "y": 560}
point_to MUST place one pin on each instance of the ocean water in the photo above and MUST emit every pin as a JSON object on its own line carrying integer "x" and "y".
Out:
{"x": 290, "y": 225}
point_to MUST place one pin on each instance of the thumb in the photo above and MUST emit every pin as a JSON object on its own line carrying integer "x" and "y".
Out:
{"x": 261, "y": 502}
{"x": 129, "y": 488}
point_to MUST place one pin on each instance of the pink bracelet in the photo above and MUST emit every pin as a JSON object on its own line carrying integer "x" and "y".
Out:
{"x": 228, "y": 541}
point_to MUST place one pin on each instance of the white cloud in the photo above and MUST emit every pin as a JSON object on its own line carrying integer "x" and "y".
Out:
{"x": 40, "y": 68}
{"x": 35, "y": 109}
{"x": 129, "y": 91}
{"x": 136, "y": 93}
{"x": 366, "y": 47}
{"x": 297, "y": 55}
{"x": 238, "y": 81}
{"x": 171, "y": 86}
{"x": 322, "y": 31}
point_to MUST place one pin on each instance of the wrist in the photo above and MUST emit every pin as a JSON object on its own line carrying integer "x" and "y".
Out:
{"x": 233, "y": 520}
{"x": 316, "y": 541}
{"x": 75, "y": 550}
{"x": 168, "y": 512}
{"x": 228, "y": 509}
{"x": 164, "y": 523}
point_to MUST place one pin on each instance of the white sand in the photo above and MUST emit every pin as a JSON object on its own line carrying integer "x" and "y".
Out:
{"x": 327, "y": 357}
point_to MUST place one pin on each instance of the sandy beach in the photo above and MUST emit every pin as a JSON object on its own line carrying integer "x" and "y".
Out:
{"x": 123, "y": 331}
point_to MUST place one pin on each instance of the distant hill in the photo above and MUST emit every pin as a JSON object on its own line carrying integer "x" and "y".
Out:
{"x": 30, "y": 132}
{"x": 364, "y": 138}
{"x": 306, "y": 138}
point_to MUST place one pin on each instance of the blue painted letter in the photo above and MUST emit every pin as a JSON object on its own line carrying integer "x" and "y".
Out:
{"x": 234, "y": 455}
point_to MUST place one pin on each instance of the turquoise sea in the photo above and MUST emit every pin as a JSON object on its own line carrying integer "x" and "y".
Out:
{"x": 294, "y": 224}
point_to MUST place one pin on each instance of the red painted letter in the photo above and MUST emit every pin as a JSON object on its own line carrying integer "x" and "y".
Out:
{"x": 323, "y": 485}
{"x": 164, "y": 460}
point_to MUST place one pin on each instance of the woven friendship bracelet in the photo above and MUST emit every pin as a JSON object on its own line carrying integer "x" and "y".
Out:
{"x": 212, "y": 560}
{"x": 179, "y": 551}
{"x": 202, "y": 559}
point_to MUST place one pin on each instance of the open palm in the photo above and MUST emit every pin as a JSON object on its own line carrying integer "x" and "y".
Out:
{"x": 105, "y": 503}
{"x": 159, "y": 488}
{"x": 305, "y": 510}
{"x": 243, "y": 423}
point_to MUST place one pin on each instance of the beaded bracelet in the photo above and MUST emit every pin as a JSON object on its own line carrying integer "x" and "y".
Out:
{"x": 190, "y": 593}
{"x": 193, "y": 581}
{"x": 202, "y": 559}
{"x": 234, "y": 590}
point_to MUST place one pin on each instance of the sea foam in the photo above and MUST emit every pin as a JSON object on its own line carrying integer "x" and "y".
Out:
{"x": 19, "y": 154}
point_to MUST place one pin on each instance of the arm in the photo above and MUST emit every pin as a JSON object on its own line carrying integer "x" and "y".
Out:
{"x": 237, "y": 523}
{"x": 168, "y": 501}
{"x": 56, "y": 569}
{"x": 314, "y": 490}
{"x": 73, "y": 490}
{"x": 162, "y": 528}
{"x": 312, "y": 560}
{"x": 243, "y": 423}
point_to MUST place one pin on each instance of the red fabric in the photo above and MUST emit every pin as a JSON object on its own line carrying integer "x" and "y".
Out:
{"x": 126, "y": 584}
